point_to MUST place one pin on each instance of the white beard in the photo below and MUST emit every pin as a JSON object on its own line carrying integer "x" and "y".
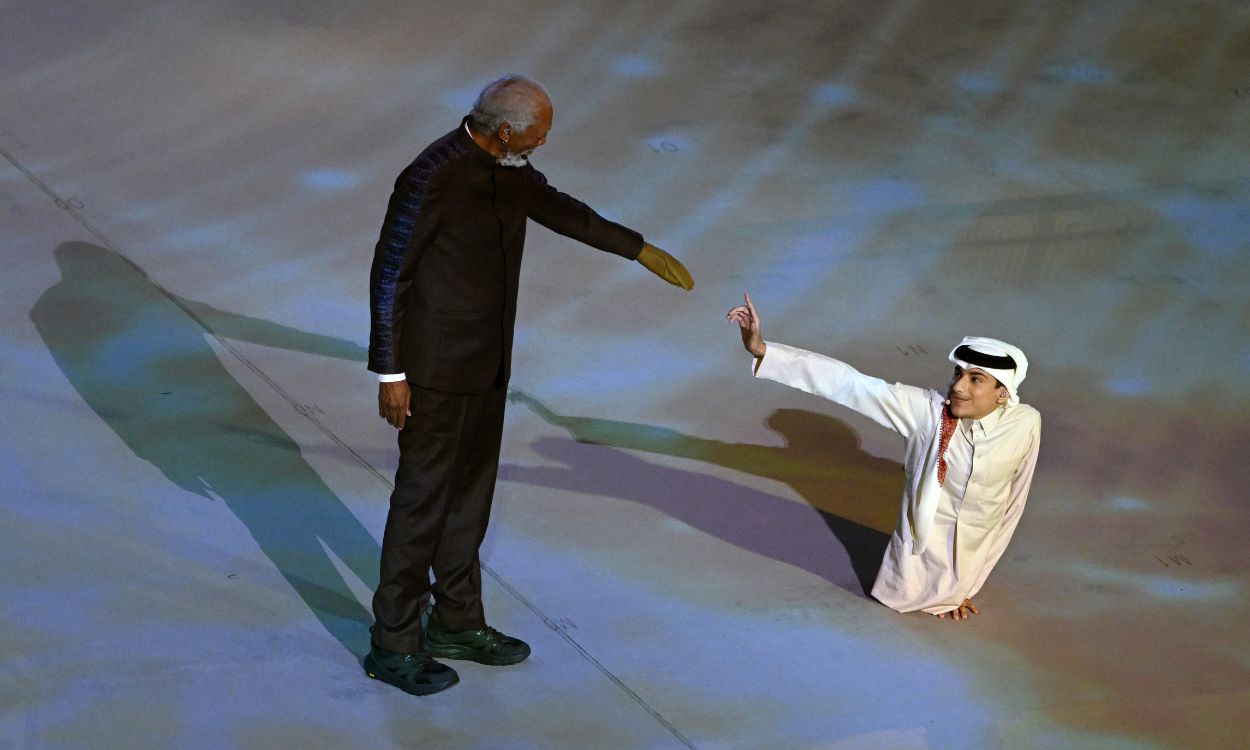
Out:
{"x": 510, "y": 159}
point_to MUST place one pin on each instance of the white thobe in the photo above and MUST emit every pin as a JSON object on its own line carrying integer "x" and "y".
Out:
{"x": 948, "y": 537}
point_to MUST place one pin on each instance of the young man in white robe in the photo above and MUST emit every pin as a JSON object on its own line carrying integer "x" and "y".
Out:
{"x": 969, "y": 461}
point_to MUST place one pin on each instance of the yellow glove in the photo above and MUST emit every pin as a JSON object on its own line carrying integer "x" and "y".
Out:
{"x": 665, "y": 266}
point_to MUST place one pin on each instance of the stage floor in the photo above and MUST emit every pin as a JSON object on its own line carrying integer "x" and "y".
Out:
{"x": 194, "y": 478}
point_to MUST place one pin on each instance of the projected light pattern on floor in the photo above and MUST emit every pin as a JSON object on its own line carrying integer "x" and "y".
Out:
{"x": 195, "y": 477}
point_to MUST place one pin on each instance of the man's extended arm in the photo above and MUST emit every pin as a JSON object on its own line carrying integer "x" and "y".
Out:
{"x": 564, "y": 214}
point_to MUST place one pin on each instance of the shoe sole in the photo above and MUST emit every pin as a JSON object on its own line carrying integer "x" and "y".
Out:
{"x": 382, "y": 675}
{"x": 467, "y": 654}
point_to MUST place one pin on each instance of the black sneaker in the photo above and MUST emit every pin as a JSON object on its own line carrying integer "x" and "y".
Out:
{"x": 417, "y": 674}
{"x": 485, "y": 646}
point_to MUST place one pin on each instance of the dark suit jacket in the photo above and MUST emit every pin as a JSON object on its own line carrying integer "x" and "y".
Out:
{"x": 443, "y": 287}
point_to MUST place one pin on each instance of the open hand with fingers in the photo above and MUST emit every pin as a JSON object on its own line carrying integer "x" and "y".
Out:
{"x": 748, "y": 320}
{"x": 962, "y": 612}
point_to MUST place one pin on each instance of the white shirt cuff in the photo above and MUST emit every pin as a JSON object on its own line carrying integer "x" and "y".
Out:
{"x": 757, "y": 363}
{"x": 392, "y": 377}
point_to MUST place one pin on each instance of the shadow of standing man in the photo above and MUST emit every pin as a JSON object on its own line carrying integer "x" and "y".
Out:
{"x": 138, "y": 356}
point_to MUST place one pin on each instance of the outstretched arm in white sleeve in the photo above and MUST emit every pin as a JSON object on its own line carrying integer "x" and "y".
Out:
{"x": 902, "y": 408}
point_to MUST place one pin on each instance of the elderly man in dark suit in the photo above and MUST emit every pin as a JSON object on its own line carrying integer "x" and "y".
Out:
{"x": 443, "y": 295}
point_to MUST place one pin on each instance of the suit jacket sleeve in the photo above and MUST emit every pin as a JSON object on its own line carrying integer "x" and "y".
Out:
{"x": 563, "y": 214}
{"x": 412, "y": 216}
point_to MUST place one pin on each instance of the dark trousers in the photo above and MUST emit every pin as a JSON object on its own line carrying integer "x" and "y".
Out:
{"x": 448, "y": 461}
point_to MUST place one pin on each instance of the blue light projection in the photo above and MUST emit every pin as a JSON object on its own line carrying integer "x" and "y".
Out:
{"x": 979, "y": 82}
{"x": 1078, "y": 72}
{"x": 1161, "y": 586}
{"x": 635, "y": 66}
{"x": 886, "y": 195}
{"x": 1124, "y": 502}
{"x": 1129, "y": 385}
{"x": 832, "y": 94}
{"x": 329, "y": 179}
{"x": 212, "y": 235}
{"x": 460, "y": 99}
{"x": 573, "y": 380}
{"x": 1219, "y": 226}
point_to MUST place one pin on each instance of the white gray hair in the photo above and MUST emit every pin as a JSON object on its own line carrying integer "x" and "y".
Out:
{"x": 513, "y": 99}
